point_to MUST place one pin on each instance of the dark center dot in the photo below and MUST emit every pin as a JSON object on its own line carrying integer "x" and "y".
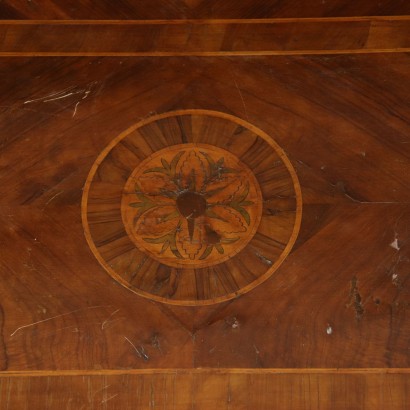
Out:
{"x": 191, "y": 205}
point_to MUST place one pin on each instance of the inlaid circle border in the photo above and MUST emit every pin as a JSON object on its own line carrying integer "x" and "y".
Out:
{"x": 278, "y": 150}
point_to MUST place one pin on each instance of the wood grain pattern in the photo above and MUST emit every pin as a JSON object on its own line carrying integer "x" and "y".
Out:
{"x": 350, "y": 152}
{"x": 208, "y": 389}
{"x": 205, "y": 37}
{"x": 70, "y": 336}
{"x": 197, "y": 9}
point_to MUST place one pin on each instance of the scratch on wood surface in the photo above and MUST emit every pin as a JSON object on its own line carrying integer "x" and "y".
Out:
{"x": 143, "y": 354}
{"x": 75, "y": 330}
{"x": 66, "y": 93}
{"x": 61, "y": 96}
{"x": 140, "y": 352}
{"x": 241, "y": 96}
{"x": 264, "y": 259}
{"x": 100, "y": 390}
{"x": 55, "y": 317}
{"x": 109, "y": 398}
{"x": 87, "y": 91}
{"x": 49, "y": 97}
{"x": 340, "y": 186}
{"x": 258, "y": 360}
{"x": 75, "y": 109}
{"x": 52, "y": 198}
{"x": 106, "y": 321}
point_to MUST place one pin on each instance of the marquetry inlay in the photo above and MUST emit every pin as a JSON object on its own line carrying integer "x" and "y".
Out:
{"x": 191, "y": 207}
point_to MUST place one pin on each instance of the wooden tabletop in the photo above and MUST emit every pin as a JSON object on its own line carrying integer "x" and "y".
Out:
{"x": 204, "y": 205}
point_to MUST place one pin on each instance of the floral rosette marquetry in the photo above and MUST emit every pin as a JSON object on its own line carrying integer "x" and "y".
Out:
{"x": 191, "y": 207}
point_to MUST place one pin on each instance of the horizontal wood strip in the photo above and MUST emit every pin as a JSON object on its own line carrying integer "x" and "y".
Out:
{"x": 211, "y": 54}
{"x": 176, "y": 9}
{"x": 203, "y": 21}
{"x": 207, "y": 38}
{"x": 209, "y": 391}
{"x": 205, "y": 370}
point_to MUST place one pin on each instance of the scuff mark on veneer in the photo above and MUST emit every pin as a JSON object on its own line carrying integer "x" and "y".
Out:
{"x": 356, "y": 299}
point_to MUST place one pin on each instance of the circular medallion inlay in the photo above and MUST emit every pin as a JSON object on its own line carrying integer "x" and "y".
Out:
{"x": 191, "y": 207}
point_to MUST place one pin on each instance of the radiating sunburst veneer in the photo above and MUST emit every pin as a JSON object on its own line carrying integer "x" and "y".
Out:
{"x": 191, "y": 207}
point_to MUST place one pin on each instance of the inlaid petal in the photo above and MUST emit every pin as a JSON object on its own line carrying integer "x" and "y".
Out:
{"x": 188, "y": 246}
{"x": 156, "y": 185}
{"x": 224, "y": 189}
{"x": 157, "y": 221}
{"x": 193, "y": 171}
{"x": 224, "y": 219}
